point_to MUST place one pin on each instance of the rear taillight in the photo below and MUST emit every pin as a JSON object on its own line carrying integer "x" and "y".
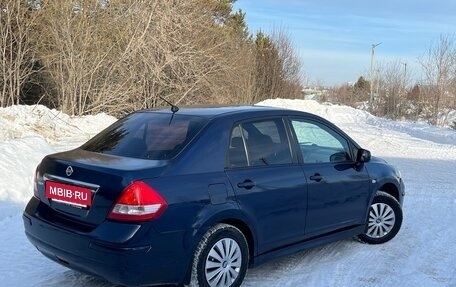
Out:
{"x": 138, "y": 202}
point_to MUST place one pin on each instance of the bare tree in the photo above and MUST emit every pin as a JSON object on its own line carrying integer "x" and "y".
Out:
{"x": 125, "y": 56}
{"x": 290, "y": 63}
{"x": 121, "y": 55}
{"x": 277, "y": 67}
{"x": 392, "y": 90}
{"x": 439, "y": 68}
{"x": 17, "y": 53}
{"x": 342, "y": 94}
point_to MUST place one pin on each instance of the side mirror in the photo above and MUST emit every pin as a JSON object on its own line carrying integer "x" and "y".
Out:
{"x": 339, "y": 157}
{"x": 363, "y": 155}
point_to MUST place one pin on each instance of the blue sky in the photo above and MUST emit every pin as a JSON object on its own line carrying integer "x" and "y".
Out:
{"x": 334, "y": 38}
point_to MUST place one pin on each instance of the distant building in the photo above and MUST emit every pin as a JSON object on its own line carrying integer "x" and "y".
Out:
{"x": 314, "y": 93}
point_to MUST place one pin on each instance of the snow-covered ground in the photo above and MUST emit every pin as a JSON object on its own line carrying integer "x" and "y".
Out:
{"x": 422, "y": 254}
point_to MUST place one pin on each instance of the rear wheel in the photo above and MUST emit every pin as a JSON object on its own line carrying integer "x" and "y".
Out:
{"x": 221, "y": 258}
{"x": 385, "y": 219}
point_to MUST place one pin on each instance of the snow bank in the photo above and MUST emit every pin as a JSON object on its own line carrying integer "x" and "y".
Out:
{"x": 335, "y": 113}
{"x": 19, "y": 159}
{"x": 382, "y": 136}
{"x": 20, "y": 121}
{"x": 27, "y": 134}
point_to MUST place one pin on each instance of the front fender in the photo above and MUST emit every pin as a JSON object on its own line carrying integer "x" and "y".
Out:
{"x": 384, "y": 177}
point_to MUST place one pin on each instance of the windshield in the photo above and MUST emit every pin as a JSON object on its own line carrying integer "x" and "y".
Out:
{"x": 147, "y": 135}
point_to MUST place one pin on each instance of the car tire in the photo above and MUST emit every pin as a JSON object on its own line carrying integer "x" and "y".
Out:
{"x": 384, "y": 220}
{"x": 221, "y": 256}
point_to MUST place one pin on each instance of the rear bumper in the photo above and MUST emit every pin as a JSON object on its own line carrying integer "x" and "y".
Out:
{"x": 156, "y": 259}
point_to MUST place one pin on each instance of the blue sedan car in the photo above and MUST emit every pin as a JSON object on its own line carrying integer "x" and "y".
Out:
{"x": 196, "y": 196}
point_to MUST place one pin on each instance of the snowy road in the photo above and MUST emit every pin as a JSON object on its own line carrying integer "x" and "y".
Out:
{"x": 422, "y": 254}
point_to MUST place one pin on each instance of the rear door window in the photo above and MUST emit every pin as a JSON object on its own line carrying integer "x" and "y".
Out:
{"x": 259, "y": 143}
{"x": 147, "y": 135}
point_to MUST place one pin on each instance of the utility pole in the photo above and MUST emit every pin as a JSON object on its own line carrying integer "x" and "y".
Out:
{"x": 400, "y": 98}
{"x": 371, "y": 100}
{"x": 405, "y": 73}
{"x": 377, "y": 82}
{"x": 404, "y": 84}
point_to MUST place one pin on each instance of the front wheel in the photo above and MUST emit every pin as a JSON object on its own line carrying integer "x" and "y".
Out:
{"x": 221, "y": 258}
{"x": 385, "y": 219}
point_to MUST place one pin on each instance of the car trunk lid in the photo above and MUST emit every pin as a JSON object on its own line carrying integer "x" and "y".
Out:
{"x": 100, "y": 176}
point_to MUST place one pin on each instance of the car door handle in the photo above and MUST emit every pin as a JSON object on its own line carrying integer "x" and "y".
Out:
{"x": 247, "y": 184}
{"x": 316, "y": 177}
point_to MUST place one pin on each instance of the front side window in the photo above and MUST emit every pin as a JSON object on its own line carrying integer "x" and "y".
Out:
{"x": 259, "y": 143}
{"x": 319, "y": 143}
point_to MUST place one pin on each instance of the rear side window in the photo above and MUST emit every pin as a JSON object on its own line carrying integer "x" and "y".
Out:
{"x": 259, "y": 143}
{"x": 147, "y": 135}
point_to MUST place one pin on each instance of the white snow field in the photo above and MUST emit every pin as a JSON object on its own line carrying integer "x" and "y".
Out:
{"x": 422, "y": 254}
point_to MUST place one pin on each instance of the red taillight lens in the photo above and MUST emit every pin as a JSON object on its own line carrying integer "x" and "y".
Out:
{"x": 138, "y": 202}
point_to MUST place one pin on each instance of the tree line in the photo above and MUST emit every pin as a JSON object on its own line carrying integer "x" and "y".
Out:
{"x": 396, "y": 95}
{"x": 116, "y": 56}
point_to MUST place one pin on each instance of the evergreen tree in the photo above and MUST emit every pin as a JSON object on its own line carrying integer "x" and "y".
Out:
{"x": 362, "y": 84}
{"x": 361, "y": 90}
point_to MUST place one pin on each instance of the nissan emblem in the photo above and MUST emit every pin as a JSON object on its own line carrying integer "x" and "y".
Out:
{"x": 69, "y": 170}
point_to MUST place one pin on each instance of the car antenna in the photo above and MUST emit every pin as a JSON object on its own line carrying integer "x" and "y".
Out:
{"x": 174, "y": 109}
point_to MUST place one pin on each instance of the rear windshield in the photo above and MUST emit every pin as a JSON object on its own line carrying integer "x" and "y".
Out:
{"x": 147, "y": 135}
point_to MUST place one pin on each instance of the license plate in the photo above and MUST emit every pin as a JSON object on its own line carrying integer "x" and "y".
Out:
{"x": 69, "y": 194}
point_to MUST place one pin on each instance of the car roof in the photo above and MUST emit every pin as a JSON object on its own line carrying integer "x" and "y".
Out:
{"x": 216, "y": 111}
